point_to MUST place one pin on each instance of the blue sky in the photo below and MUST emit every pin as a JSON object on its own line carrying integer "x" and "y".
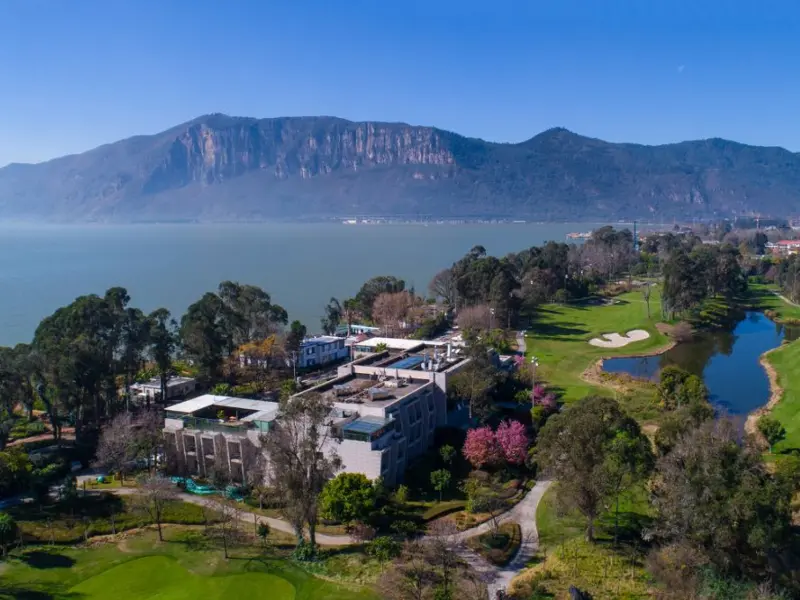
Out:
{"x": 76, "y": 74}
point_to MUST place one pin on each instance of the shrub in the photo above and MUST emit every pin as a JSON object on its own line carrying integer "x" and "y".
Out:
{"x": 383, "y": 548}
{"x": 401, "y": 494}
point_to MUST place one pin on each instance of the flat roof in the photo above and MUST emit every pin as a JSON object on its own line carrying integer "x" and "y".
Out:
{"x": 397, "y": 343}
{"x": 206, "y": 400}
{"x": 321, "y": 339}
{"x": 156, "y": 382}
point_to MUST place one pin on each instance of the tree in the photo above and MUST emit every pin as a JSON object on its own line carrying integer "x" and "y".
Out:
{"x": 771, "y": 429}
{"x": 295, "y": 337}
{"x": 302, "y": 457}
{"x": 8, "y": 532}
{"x": 227, "y": 514}
{"x": 513, "y": 441}
{"x": 148, "y": 436}
{"x": 134, "y": 337}
{"x": 473, "y": 383}
{"x": 250, "y": 314}
{"x": 628, "y": 461}
{"x": 475, "y": 318}
{"x": 384, "y": 548}
{"x": 646, "y": 291}
{"x": 440, "y": 480}
{"x": 718, "y": 496}
{"x": 411, "y": 577}
{"x": 263, "y": 531}
{"x": 162, "y": 341}
{"x": 333, "y": 316}
{"x": 116, "y": 447}
{"x": 347, "y": 497}
{"x": 383, "y": 284}
{"x": 577, "y": 445}
{"x": 481, "y": 448}
{"x": 447, "y": 453}
{"x": 391, "y": 311}
{"x": 155, "y": 493}
{"x": 205, "y": 334}
{"x": 443, "y": 286}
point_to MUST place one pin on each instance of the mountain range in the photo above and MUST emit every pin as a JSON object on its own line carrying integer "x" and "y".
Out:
{"x": 218, "y": 167}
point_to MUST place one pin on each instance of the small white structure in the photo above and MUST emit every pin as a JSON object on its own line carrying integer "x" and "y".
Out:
{"x": 321, "y": 350}
{"x": 177, "y": 387}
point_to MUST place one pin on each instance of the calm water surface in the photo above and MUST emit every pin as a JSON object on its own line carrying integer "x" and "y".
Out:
{"x": 300, "y": 265}
{"x": 727, "y": 362}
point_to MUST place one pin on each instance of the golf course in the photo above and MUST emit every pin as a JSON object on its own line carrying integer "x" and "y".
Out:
{"x": 183, "y": 567}
{"x": 559, "y": 339}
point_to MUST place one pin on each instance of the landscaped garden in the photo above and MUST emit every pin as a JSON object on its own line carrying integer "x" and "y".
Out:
{"x": 498, "y": 546}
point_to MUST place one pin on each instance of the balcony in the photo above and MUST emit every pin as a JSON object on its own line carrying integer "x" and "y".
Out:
{"x": 216, "y": 425}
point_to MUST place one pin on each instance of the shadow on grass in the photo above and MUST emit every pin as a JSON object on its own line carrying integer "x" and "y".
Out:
{"x": 18, "y": 592}
{"x": 557, "y": 330}
{"x": 41, "y": 559}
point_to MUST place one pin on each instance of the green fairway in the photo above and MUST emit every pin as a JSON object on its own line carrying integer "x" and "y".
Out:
{"x": 764, "y": 297}
{"x": 560, "y": 334}
{"x": 182, "y": 568}
{"x": 786, "y": 361}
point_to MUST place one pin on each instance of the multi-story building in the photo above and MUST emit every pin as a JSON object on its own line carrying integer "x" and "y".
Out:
{"x": 784, "y": 247}
{"x": 321, "y": 350}
{"x": 386, "y": 408}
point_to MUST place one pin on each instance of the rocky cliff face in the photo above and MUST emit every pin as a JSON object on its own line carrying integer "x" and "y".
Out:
{"x": 284, "y": 148}
{"x": 221, "y": 167}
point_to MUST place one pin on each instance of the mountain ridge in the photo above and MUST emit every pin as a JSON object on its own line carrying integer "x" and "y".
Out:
{"x": 221, "y": 167}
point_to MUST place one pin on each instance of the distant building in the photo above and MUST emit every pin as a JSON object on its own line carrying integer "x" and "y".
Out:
{"x": 355, "y": 329}
{"x": 177, "y": 387}
{"x": 784, "y": 247}
{"x": 321, "y": 350}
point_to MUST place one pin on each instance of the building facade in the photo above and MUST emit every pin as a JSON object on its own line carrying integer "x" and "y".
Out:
{"x": 321, "y": 350}
{"x": 386, "y": 407}
{"x": 177, "y": 387}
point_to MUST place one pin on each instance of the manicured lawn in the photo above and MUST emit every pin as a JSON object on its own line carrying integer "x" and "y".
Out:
{"x": 786, "y": 361}
{"x": 559, "y": 338}
{"x": 141, "y": 568}
{"x": 763, "y": 298}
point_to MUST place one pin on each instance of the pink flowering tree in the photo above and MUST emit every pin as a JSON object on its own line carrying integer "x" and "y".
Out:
{"x": 481, "y": 448}
{"x": 513, "y": 441}
{"x": 538, "y": 393}
{"x": 549, "y": 402}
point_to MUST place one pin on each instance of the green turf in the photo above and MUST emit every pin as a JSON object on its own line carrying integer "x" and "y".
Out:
{"x": 181, "y": 568}
{"x": 786, "y": 361}
{"x": 764, "y": 297}
{"x": 559, "y": 337}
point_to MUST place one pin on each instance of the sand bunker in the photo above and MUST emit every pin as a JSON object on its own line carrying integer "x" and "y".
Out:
{"x": 615, "y": 340}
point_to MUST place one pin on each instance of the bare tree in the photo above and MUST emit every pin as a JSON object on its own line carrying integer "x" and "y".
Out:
{"x": 155, "y": 493}
{"x": 474, "y": 318}
{"x": 443, "y": 285}
{"x": 646, "y": 290}
{"x": 391, "y": 310}
{"x": 117, "y": 446}
{"x": 227, "y": 514}
{"x": 148, "y": 436}
{"x": 302, "y": 458}
{"x": 411, "y": 577}
{"x": 441, "y": 550}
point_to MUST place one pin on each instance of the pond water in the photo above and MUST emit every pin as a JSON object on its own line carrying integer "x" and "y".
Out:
{"x": 726, "y": 360}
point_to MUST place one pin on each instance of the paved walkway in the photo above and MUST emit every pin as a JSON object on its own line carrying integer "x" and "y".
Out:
{"x": 244, "y": 515}
{"x": 523, "y": 513}
{"x": 784, "y": 298}
{"x": 497, "y": 578}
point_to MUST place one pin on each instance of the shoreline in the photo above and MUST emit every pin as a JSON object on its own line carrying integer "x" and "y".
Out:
{"x": 775, "y": 396}
{"x": 593, "y": 373}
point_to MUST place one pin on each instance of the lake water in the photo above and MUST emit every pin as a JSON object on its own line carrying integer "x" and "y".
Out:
{"x": 300, "y": 265}
{"x": 727, "y": 361}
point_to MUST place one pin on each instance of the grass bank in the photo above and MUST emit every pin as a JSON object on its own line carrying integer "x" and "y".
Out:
{"x": 566, "y": 559}
{"x": 786, "y": 362}
{"x": 184, "y": 567}
{"x": 559, "y": 337}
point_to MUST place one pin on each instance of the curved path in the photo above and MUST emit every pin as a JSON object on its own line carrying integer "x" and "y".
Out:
{"x": 497, "y": 578}
{"x": 523, "y": 513}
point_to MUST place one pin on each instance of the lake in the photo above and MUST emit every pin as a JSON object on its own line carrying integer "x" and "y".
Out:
{"x": 300, "y": 265}
{"x": 728, "y": 362}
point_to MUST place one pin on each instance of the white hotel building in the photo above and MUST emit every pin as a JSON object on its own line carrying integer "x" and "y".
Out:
{"x": 386, "y": 408}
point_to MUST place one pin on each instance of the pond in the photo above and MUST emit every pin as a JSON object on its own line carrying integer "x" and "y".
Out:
{"x": 726, "y": 360}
